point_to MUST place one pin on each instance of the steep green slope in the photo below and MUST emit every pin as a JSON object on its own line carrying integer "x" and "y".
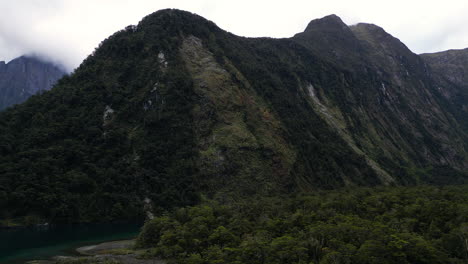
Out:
{"x": 175, "y": 109}
{"x": 394, "y": 113}
{"x": 93, "y": 148}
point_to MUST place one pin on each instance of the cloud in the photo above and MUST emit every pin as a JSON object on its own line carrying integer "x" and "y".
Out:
{"x": 66, "y": 31}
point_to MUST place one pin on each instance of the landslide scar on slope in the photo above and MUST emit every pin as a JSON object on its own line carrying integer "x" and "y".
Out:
{"x": 239, "y": 138}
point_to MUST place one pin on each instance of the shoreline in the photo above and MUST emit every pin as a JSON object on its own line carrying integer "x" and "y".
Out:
{"x": 120, "y": 251}
{"x": 98, "y": 249}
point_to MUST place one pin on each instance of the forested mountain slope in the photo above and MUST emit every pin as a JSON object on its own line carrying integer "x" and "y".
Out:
{"x": 175, "y": 109}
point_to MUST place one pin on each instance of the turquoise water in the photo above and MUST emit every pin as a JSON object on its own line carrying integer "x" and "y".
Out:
{"x": 20, "y": 245}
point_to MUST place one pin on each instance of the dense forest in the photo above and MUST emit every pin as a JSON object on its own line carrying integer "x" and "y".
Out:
{"x": 338, "y": 145}
{"x": 175, "y": 109}
{"x": 354, "y": 225}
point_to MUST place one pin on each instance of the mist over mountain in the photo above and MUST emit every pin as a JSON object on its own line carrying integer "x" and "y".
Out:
{"x": 24, "y": 77}
{"x": 176, "y": 109}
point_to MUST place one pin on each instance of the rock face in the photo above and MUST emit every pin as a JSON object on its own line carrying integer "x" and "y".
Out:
{"x": 175, "y": 109}
{"x": 391, "y": 101}
{"x": 451, "y": 64}
{"x": 23, "y": 77}
{"x": 450, "y": 70}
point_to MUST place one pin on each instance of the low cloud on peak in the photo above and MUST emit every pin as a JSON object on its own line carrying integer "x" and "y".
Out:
{"x": 66, "y": 31}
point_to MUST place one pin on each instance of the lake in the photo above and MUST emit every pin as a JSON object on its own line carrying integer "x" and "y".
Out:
{"x": 22, "y": 244}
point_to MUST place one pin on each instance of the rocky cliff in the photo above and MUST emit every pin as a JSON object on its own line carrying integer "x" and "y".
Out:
{"x": 450, "y": 71}
{"x": 23, "y": 77}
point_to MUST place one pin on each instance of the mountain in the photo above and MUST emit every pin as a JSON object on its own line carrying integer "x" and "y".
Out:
{"x": 450, "y": 70}
{"x": 175, "y": 109}
{"x": 25, "y": 76}
{"x": 405, "y": 115}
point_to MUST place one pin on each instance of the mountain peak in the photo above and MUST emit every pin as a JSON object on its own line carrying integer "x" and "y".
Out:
{"x": 330, "y": 22}
{"x": 25, "y": 58}
{"x": 170, "y": 12}
{"x": 174, "y": 18}
{"x": 373, "y": 29}
{"x": 379, "y": 38}
{"x": 330, "y": 18}
{"x": 25, "y": 76}
{"x": 331, "y": 38}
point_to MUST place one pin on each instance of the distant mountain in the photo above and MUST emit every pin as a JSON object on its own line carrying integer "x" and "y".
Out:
{"x": 23, "y": 77}
{"x": 176, "y": 109}
{"x": 450, "y": 70}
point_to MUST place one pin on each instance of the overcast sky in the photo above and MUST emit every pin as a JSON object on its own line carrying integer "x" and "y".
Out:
{"x": 66, "y": 31}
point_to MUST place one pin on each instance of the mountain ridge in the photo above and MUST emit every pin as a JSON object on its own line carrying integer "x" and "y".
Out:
{"x": 175, "y": 109}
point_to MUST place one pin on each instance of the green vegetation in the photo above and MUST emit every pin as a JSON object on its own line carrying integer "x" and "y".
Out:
{"x": 176, "y": 109}
{"x": 358, "y": 225}
{"x": 63, "y": 159}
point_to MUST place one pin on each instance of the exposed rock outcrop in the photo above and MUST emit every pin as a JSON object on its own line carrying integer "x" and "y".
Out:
{"x": 25, "y": 76}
